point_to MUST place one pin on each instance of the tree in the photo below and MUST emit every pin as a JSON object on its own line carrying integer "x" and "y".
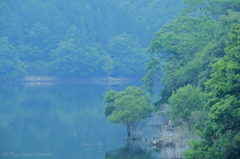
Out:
{"x": 185, "y": 101}
{"x": 128, "y": 107}
{"x": 215, "y": 8}
{"x": 10, "y": 65}
{"x": 184, "y": 50}
{"x": 70, "y": 60}
{"x": 127, "y": 55}
{"x": 221, "y": 135}
{"x": 39, "y": 36}
{"x": 100, "y": 29}
{"x": 10, "y": 23}
{"x": 176, "y": 46}
{"x": 35, "y": 27}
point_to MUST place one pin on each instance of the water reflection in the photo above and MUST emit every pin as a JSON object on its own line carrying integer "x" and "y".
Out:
{"x": 132, "y": 150}
{"x": 59, "y": 119}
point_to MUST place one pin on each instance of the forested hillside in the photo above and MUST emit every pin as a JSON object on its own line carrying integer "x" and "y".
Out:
{"x": 78, "y": 37}
{"x": 199, "y": 54}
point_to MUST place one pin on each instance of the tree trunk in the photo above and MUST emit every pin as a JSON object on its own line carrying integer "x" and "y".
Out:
{"x": 129, "y": 134}
{"x": 189, "y": 125}
{"x": 128, "y": 130}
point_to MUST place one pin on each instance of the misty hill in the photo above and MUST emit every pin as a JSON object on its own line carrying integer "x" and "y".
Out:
{"x": 79, "y": 37}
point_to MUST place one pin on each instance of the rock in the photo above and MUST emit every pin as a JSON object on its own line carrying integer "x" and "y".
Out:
{"x": 164, "y": 142}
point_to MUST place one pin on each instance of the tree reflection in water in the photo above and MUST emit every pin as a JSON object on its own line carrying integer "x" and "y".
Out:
{"x": 133, "y": 150}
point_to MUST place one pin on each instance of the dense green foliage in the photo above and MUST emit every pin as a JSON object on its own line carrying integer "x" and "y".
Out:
{"x": 82, "y": 38}
{"x": 185, "y": 101}
{"x": 69, "y": 60}
{"x": 200, "y": 48}
{"x": 185, "y": 49}
{"x": 222, "y": 132}
{"x": 10, "y": 65}
{"x": 127, "y": 55}
{"x": 128, "y": 107}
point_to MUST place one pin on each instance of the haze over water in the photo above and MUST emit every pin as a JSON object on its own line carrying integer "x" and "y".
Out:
{"x": 56, "y": 120}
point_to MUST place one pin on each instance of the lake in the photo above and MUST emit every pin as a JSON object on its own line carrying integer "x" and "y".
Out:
{"x": 60, "y": 121}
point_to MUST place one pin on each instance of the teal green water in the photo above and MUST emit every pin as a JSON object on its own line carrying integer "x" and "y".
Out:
{"x": 49, "y": 120}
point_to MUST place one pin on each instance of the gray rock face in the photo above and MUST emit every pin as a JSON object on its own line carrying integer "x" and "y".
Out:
{"x": 164, "y": 142}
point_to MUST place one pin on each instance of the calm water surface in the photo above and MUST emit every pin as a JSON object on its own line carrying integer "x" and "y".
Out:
{"x": 56, "y": 120}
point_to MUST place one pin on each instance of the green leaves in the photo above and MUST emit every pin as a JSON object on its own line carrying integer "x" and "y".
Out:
{"x": 213, "y": 8}
{"x": 180, "y": 44}
{"x": 123, "y": 28}
{"x": 70, "y": 60}
{"x": 10, "y": 65}
{"x": 185, "y": 101}
{"x": 153, "y": 75}
{"x": 128, "y": 107}
{"x": 221, "y": 134}
{"x": 127, "y": 56}
{"x": 227, "y": 70}
{"x": 184, "y": 50}
{"x": 224, "y": 88}
{"x": 190, "y": 45}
